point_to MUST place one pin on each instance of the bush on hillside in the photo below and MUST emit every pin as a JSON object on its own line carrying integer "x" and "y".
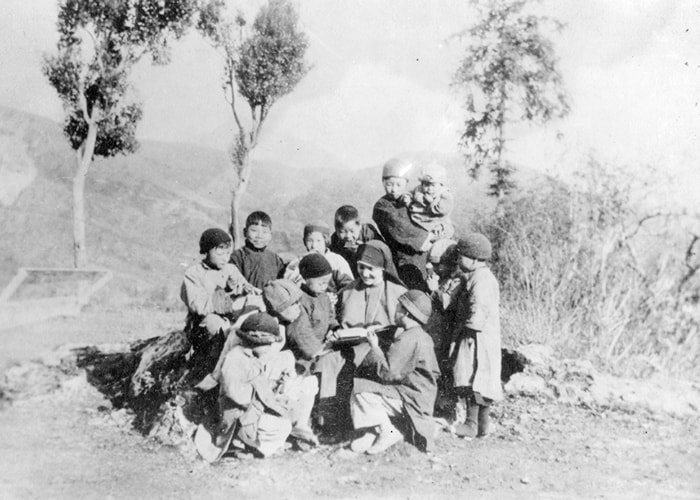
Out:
{"x": 582, "y": 271}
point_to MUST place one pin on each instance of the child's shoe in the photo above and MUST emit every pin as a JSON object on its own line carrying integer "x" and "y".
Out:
{"x": 484, "y": 421}
{"x": 469, "y": 428}
{"x": 388, "y": 437}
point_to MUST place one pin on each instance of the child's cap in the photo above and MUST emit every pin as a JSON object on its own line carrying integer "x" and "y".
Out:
{"x": 396, "y": 168}
{"x": 317, "y": 227}
{"x": 417, "y": 304}
{"x": 475, "y": 246}
{"x": 314, "y": 265}
{"x": 433, "y": 173}
{"x": 279, "y": 294}
{"x": 260, "y": 329}
{"x": 438, "y": 250}
{"x": 212, "y": 238}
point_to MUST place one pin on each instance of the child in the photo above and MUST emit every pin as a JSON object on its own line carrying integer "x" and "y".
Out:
{"x": 403, "y": 382}
{"x": 211, "y": 287}
{"x": 477, "y": 356}
{"x": 430, "y": 203}
{"x": 258, "y": 264}
{"x": 316, "y": 240}
{"x": 306, "y": 335}
{"x": 349, "y": 234}
{"x": 407, "y": 241}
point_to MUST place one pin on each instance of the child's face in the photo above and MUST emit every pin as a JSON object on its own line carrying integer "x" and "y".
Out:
{"x": 431, "y": 188}
{"x": 318, "y": 285}
{"x": 350, "y": 231}
{"x": 291, "y": 313}
{"x": 219, "y": 256}
{"x": 370, "y": 275}
{"x": 258, "y": 235}
{"x": 315, "y": 242}
{"x": 467, "y": 263}
{"x": 394, "y": 187}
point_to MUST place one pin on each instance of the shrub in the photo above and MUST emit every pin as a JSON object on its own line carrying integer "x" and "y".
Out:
{"x": 580, "y": 269}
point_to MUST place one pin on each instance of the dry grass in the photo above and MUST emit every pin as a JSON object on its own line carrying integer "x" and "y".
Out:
{"x": 582, "y": 271}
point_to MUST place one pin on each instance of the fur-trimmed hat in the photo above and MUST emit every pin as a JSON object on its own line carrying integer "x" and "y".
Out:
{"x": 279, "y": 294}
{"x": 433, "y": 173}
{"x": 314, "y": 265}
{"x": 417, "y": 304}
{"x": 475, "y": 246}
{"x": 212, "y": 238}
{"x": 260, "y": 329}
{"x": 396, "y": 168}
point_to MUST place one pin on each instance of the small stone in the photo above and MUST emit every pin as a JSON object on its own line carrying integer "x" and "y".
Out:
{"x": 525, "y": 480}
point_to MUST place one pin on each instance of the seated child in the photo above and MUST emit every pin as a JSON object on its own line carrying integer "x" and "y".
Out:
{"x": 211, "y": 286}
{"x": 258, "y": 264}
{"x": 306, "y": 335}
{"x": 316, "y": 239}
{"x": 477, "y": 354}
{"x": 349, "y": 234}
{"x": 403, "y": 383}
{"x": 430, "y": 203}
{"x": 261, "y": 398}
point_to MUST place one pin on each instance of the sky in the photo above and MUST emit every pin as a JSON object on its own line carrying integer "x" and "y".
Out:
{"x": 380, "y": 86}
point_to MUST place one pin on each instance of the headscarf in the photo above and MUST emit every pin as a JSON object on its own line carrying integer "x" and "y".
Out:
{"x": 377, "y": 254}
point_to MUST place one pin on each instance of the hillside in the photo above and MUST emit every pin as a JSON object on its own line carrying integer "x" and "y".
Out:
{"x": 146, "y": 211}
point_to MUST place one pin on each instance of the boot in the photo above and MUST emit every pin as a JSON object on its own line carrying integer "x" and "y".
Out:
{"x": 484, "y": 421}
{"x": 469, "y": 428}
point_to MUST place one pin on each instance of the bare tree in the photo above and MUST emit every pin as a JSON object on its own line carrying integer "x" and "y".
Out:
{"x": 261, "y": 64}
{"x": 509, "y": 74}
{"x": 99, "y": 43}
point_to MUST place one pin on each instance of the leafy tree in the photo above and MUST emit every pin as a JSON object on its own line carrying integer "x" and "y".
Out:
{"x": 261, "y": 64}
{"x": 509, "y": 74}
{"x": 99, "y": 43}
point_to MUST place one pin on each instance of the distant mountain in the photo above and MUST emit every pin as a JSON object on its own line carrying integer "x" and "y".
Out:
{"x": 145, "y": 211}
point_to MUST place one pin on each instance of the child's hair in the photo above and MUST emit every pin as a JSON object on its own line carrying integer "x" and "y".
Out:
{"x": 345, "y": 214}
{"x": 318, "y": 227}
{"x": 259, "y": 218}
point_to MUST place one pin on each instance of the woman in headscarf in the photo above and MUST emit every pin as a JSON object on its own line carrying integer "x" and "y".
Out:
{"x": 369, "y": 300}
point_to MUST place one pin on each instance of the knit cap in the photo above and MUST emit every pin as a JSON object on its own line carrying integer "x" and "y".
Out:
{"x": 396, "y": 168}
{"x": 317, "y": 227}
{"x": 314, "y": 265}
{"x": 433, "y": 173}
{"x": 279, "y": 294}
{"x": 212, "y": 238}
{"x": 260, "y": 329}
{"x": 417, "y": 304}
{"x": 475, "y": 246}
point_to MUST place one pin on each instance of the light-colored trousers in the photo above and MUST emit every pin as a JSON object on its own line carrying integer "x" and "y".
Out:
{"x": 369, "y": 409}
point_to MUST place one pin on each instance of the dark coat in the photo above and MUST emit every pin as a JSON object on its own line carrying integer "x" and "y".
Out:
{"x": 258, "y": 266}
{"x": 408, "y": 371}
{"x": 306, "y": 334}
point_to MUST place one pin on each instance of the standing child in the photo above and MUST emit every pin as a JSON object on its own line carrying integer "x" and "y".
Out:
{"x": 430, "y": 203}
{"x": 258, "y": 264}
{"x": 316, "y": 240}
{"x": 350, "y": 233}
{"x": 477, "y": 354}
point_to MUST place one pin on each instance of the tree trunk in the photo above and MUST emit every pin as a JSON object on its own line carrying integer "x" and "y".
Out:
{"x": 84, "y": 160}
{"x": 237, "y": 191}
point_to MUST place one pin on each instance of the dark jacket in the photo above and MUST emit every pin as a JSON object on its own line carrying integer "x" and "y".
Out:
{"x": 306, "y": 334}
{"x": 258, "y": 266}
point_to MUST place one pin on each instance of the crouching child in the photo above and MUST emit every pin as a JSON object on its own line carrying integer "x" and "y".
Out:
{"x": 402, "y": 383}
{"x": 476, "y": 359}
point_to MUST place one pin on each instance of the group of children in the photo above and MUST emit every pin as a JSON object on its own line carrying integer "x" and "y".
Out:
{"x": 398, "y": 312}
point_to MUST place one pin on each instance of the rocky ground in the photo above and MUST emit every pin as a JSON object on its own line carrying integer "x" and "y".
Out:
{"x": 561, "y": 433}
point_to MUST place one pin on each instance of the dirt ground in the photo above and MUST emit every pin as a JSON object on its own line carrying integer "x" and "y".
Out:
{"x": 66, "y": 442}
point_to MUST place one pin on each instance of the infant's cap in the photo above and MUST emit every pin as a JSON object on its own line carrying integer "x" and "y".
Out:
{"x": 433, "y": 173}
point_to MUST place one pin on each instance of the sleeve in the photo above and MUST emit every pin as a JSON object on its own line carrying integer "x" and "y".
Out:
{"x": 236, "y": 379}
{"x": 395, "y": 224}
{"x": 300, "y": 334}
{"x": 237, "y": 260}
{"x": 482, "y": 297}
{"x": 195, "y": 294}
{"x": 443, "y": 204}
{"x": 399, "y": 363}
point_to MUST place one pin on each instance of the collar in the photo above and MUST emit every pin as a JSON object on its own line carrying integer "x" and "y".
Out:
{"x": 250, "y": 247}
